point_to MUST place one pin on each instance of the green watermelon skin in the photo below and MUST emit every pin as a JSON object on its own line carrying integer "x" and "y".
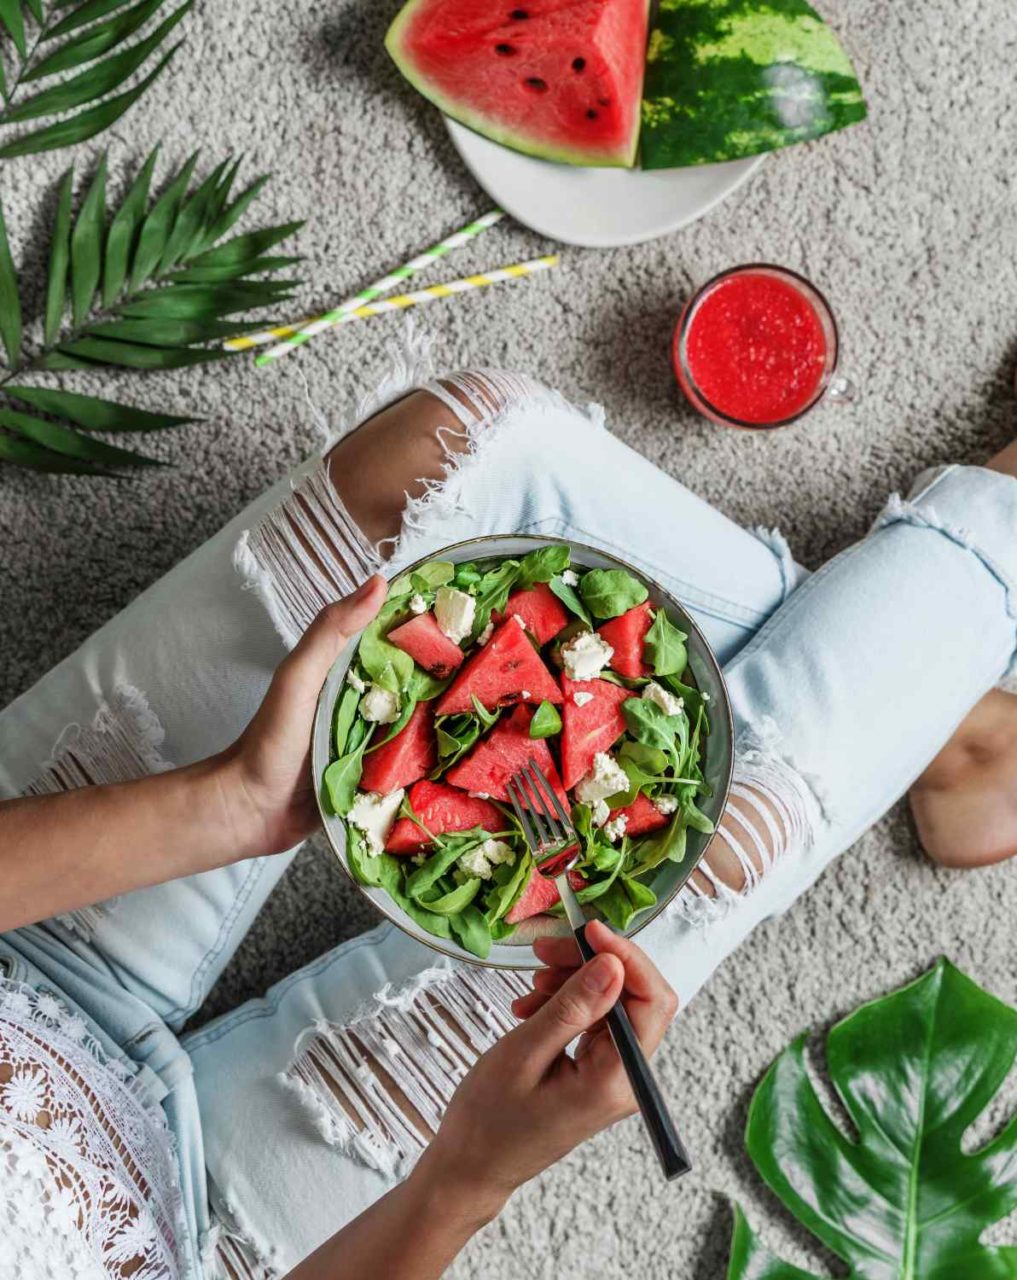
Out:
{"x": 727, "y": 79}
{"x": 502, "y": 672}
{"x": 440, "y": 808}
{"x": 558, "y": 79}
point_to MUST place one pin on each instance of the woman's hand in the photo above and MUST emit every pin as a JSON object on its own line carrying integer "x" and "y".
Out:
{"x": 526, "y": 1104}
{"x": 266, "y": 774}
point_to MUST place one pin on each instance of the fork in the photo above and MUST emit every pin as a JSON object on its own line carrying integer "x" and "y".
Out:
{"x": 555, "y": 847}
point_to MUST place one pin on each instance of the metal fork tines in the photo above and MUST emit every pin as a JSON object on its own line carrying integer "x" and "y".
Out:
{"x": 546, "y": 826}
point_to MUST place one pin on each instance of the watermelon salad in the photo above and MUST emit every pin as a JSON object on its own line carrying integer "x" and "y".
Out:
{"x": 595, "y": 82}
{"x": 468, "y": 672}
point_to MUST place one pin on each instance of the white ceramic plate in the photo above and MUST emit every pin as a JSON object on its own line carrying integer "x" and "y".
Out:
{"x": 517, "y": 952}
{"x": 596, "y": 208}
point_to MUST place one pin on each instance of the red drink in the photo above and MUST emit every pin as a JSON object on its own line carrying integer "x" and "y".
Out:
{"x": 756, "y": 347}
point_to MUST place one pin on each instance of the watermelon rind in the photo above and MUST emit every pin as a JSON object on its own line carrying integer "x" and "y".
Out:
{"x": 726, "y": 79}
{"x": 395, "y": 43}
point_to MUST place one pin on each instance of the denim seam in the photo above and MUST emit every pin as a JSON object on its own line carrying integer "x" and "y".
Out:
{"x": 268, "y": 1005}
{"x": 217, "y": 947}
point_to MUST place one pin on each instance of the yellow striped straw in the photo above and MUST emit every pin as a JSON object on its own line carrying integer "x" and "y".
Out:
{"x": 518, "y": 271}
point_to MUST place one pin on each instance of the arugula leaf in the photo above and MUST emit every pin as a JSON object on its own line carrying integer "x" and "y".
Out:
{"x": 542, "y": 565}
{"x": 546, "y": 721}
{"x": 649, "y": 725}
{"x": 624, "y": 900}
{"x": 473, "y": 931}
{"x": 492, "y": 592}
{"x": 457, "y": 899}
{"x": 430, "y": 920}
{"x": 454, "y": 736}
{"x": 505, "y": 890}
{"x": 467, "y": 575}
{"x": 898, "y": 1196}
{"x": 376, "y": 871}
{"x": 343, "y": 775}
{"x": 668, "y": 845}
{"x": 375, "y": 652}
{"x": 486, "y": 718}
{"x": 608, "y": 593}
{"x": 664, "y": 646}
{"x": 430, "y": 576}
{"x": 570, "y": 599}
{"x": 342, "y": 721}
{"x": 427, "y": 875}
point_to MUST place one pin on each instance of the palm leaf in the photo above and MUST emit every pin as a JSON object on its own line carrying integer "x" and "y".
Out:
{"x": 10, "y": 304}
{"x": 149, "y": 284}
{"x": 105, "y": 42}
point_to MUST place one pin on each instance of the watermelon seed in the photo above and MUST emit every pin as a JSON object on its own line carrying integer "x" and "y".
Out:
{"x": 536, "y": 84}
{"x": 506, "y": 50}
{"x": 578, "y": 64}
{"x": 591, "y": 114}
{"x": 519, "y": 14}
{"x": 604, "y": 102}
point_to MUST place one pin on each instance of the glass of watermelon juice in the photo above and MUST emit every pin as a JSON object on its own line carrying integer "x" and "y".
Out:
{"x": 757, "y": 348}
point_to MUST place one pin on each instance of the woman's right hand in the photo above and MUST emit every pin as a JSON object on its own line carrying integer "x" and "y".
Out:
{"x": 526, "y": 1103}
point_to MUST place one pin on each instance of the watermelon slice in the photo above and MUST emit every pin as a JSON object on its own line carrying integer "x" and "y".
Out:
{"x": 410, "y": 755}
{"x": 540, "y": 611}
{"x": 561, "y": 79}
{"x": 502, "y": 753}
{"x": 625, "y": 635}
{"x": 427, "y": 645}
{"x": 726, "y": 79}
{"x": 540, "y": 894}
{"x": 595, "y": 726}
{"x": 441, "y": 808}
{"x": 642, "y": 815}
{"x": 506, "y": 670}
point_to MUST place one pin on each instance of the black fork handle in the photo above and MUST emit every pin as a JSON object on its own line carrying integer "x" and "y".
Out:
{"x": 670, "y": 1151}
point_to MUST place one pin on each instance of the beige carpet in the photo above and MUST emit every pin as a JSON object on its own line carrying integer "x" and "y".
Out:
{"x": 909, "y": 223}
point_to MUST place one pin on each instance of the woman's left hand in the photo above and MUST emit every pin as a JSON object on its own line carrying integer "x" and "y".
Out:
{"x": 266, "y": 774}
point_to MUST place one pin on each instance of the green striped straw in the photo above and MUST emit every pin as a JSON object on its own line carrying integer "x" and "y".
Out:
{"x": 319, "y": 324}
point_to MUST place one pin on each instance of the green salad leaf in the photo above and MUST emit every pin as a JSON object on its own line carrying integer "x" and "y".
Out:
{"x": 342, "y": 776}
{"x": 664, "y": 646}
{"x": 570, "y": 599}
{"x": 546, "y": 721}
{"x": 542, "y": 565}
{"x": 892, "y": 1192}
{"x": 607, "y": 593}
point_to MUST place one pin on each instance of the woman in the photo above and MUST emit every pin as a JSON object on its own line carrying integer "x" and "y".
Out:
{"x": 295, "y": 1113}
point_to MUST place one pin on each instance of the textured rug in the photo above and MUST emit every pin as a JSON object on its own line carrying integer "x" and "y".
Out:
{"x": 909, "y": 224}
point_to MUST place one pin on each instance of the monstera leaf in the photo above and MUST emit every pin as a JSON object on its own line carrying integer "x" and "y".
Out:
{"x": 41, "y": 41}
{"x": 732, "y": 78}
{"x": 149, "y": 284}
{"x": 899, "y": 1199}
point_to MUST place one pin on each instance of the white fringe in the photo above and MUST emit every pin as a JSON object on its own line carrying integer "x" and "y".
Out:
{"x": 122, "y": 743}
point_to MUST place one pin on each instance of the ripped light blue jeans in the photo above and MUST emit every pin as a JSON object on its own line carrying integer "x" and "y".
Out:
{"x": 844, "y": 685}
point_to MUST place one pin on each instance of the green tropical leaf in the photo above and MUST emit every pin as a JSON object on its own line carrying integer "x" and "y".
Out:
{"x": 86, "y": 246}
{"x": 132, "y": 356}
{"x": 86, "y": 124}
{"x": 95, "y": 82}
{"x": 96, "y": 41}
{"x": 220, "y": 275}
{"x": 246, "y": 247}
{"x": 63, "y": 440}
{"x": 59, "y": 259}
{"x": 898, "y": 1198}
{"x": 157, "y": 226}
{"x": 10, "y": 303}
{"x": 82, "y": 14}
{"x": 92, "y": 413}
{"x": 120, "y": 240}
{"x": 12, "y": 19}
{"x": 26, "y": 454}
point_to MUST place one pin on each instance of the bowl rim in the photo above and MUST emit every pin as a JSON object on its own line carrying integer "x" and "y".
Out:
{"x": 390, "y": 909}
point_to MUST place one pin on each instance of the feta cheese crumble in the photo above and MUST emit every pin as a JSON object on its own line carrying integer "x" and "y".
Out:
{"x": 570, "y": 578}
{"x": 666, "y": 804}
{"x": 355, "y": 682}
{"x": 663, "y": 698}
{"x": 380, "y": 706}
{"x": 483, "y": 858}
{"x": 487, "y": 633}
{"x": 615, "y": 829}
{"x": 373, "y": 814}
{"x": 581, "y": 699}
{"x": 585, "y": 656}
{"x": 454, "y": 611}
{"x": 600, "y": 813}
{"x": 606, "y": 778}
{"x": 418, "y": 604}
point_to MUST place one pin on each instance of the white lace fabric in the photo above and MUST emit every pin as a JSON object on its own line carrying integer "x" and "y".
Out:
{"x": 89, "y": 1188}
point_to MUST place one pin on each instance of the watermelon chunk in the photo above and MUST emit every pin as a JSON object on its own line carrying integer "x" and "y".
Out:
{"x": 561, "y": 79}
{"x": 410, "y": 755}
{"x": 625, "y": 635}
{"x": 641, "y": 815}
{"x": 502, "y": 753}
{"x": 539, "y": 610}
{"x": 441, "y": 808}
{"x": 506, "y": 670}
{"x": 595, "y": 726}
{"x": 540, "y": 894}
{"x": 427, "y": 645}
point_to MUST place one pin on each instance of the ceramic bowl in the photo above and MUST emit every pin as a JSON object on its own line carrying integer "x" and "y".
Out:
{"x": 517, "y": 952}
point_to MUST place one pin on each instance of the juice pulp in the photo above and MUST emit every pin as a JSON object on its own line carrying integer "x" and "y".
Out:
{"x": 755, "y": 349}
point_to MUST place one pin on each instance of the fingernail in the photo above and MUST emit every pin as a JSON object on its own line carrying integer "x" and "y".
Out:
{"x": 598, "y": 974}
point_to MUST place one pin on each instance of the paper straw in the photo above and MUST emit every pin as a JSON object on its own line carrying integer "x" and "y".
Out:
{"x": 518, "y": 271}
{"x": 306, "y": 329}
